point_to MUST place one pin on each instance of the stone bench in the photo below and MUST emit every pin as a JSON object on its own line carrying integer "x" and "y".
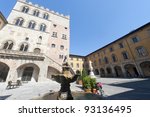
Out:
{"x": 12, "y": 84}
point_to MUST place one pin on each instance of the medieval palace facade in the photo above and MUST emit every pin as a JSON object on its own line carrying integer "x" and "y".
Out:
{"x": 33, "y": 43}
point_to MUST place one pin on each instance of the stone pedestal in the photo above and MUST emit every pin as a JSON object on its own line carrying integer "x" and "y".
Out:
{"x": 92, "y": 74}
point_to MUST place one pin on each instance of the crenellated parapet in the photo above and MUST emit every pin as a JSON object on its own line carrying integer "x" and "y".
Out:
{"x": 46, "y": 9}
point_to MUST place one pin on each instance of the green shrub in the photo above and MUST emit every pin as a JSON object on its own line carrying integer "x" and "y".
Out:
{"x": 93, "y": 83}
{"x": 84, "y": 74}
{"x": 87, "y": 82}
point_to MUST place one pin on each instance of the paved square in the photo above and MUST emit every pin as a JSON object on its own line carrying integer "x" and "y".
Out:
{"x": 115, "y": 89}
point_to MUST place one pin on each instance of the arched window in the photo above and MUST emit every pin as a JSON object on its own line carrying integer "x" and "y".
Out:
{"x": 31, "y": 25}
{"x": 25, "y": 9}
{"x": 39, "y": 40}
{"x": 53, "y": 45}
{"x": 45, "y": 16}
{"x": 36, "y": 13}
{"x": 114, "y": 58}
{"x": 19, "y": 22}
{"x": 125, "y": 55}
{"x": 8, "y": 45}
{"x": 62, "y": 47}
{"x": 106, "y": 60}
{"x": 24, "y": 47}
{"x": 37, "y": 50}
{"x": 43, "y": 27}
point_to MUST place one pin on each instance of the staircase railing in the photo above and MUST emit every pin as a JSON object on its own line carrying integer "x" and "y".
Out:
{"x": 53, "y": 60}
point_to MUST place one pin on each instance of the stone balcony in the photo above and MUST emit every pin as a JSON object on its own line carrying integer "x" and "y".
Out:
{"x": 14, "y": 54}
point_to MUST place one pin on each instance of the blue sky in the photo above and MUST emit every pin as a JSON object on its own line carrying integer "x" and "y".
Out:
{"x": 95, "y": 23}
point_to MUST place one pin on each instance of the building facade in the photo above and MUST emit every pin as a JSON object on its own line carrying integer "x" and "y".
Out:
{"x": 34, "y": 43}
{"x": 76, "y": 62}
{"x": 128, "y": 56}
{"x": 3, "y": 21}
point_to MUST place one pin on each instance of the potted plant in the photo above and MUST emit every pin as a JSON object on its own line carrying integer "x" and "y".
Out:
{"x": 87, "y": 84}
{"x": 93, "y": 85}
{"x": 80, "y": 79}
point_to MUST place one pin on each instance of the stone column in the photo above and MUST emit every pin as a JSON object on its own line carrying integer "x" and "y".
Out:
{"x": 113, "y": 71}
{"x": 124, "y": 71}
{"x": 140, "y": 70}
{"x": 106, "y": 74}
{"x": 99, "y": 72}
{"x": 43, "y": 73}
{"x": 12, "y": 74}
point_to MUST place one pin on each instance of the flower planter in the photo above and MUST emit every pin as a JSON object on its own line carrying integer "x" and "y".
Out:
{"x": 94, "y": 91}
{"x": 87, "y": 90}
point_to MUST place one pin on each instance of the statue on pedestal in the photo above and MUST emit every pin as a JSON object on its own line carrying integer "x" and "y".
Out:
{"x": 91, "y": 70}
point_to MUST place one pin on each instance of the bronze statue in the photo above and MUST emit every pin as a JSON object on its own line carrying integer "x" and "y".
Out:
{"x": 68, "y": 76}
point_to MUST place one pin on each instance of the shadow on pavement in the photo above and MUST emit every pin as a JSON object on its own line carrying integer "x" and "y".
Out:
{"x": 141, "y": 91}
{"x": 4, "y": 97}
{"x": 76, "y": 96}
{"x": 81, "y": 87}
